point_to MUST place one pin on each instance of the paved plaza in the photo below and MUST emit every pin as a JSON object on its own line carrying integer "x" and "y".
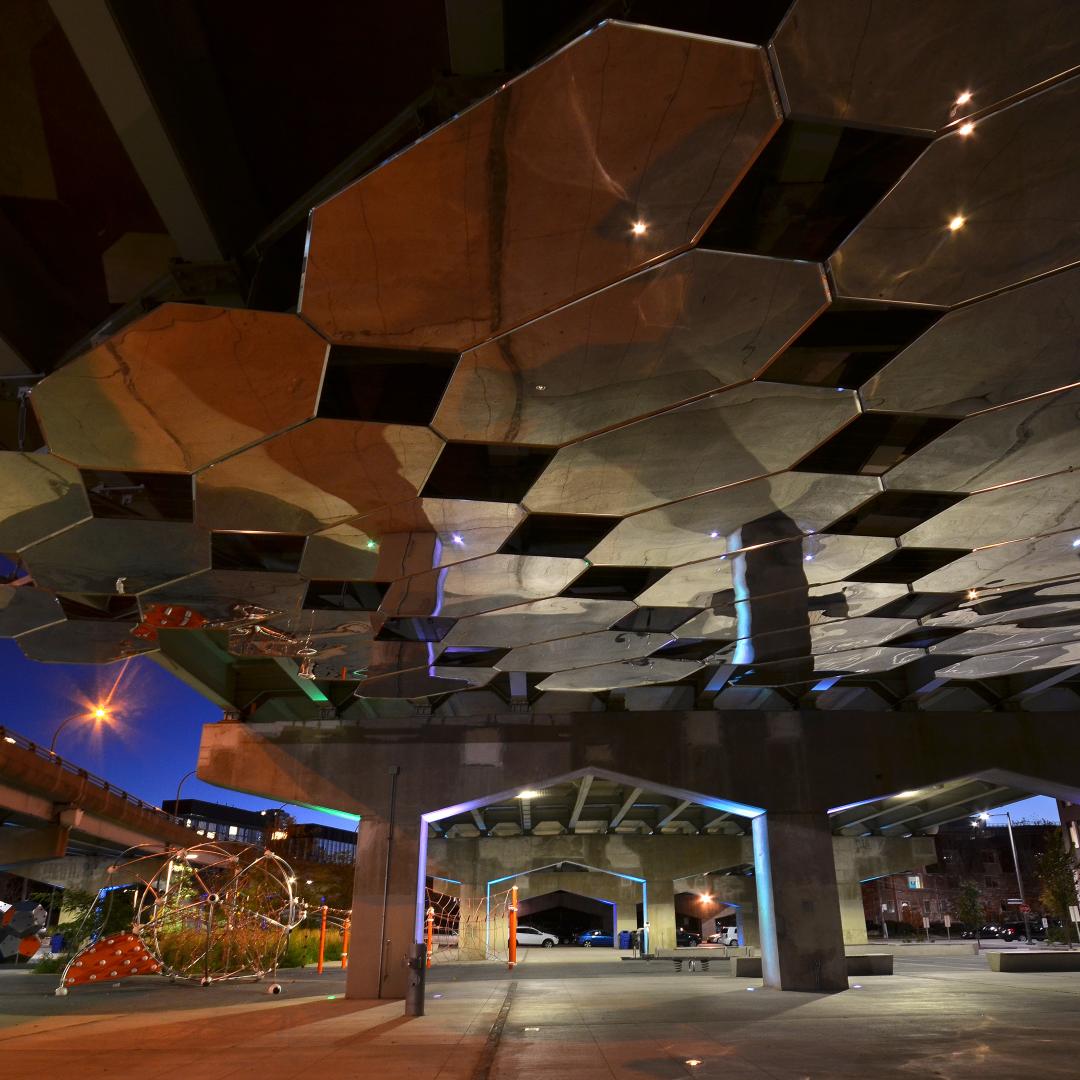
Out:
{"x": 560, "y": 1019}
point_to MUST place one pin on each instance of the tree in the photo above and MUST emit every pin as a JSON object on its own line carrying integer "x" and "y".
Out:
{"x": 1056, "y": 876}
{"x": 969, "y": 906}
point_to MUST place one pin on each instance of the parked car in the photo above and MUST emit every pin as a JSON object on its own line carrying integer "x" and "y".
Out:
{"x": 685, "y": 938}
{"x": 726, "y": 935}
{"x": 528, "y": 935}
{"x": 1017, "y": 932}
{"x": 991, "y": 930}
{"x": 596, "y": 938}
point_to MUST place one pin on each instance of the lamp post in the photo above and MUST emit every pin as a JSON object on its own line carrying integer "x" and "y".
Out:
{"x": 99, "y": 714}
{"x": 985, "y": 816}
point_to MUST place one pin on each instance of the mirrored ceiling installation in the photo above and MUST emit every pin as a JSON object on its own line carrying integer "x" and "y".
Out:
{"x": 733, "y": 365}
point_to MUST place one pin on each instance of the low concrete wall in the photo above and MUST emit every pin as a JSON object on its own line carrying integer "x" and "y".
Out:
{"x": 870, "y": 964}
{"x": 902, "y": 949}
{"x": 749, "y": 967}
{"x": 1033, "y": 961}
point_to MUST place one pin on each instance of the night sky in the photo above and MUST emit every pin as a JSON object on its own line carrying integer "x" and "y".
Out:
{"x": 155, "y": 737}
{"x": 153, "y": 742}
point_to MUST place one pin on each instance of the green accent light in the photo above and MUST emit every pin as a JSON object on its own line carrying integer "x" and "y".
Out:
{"x": 327, "y": 810}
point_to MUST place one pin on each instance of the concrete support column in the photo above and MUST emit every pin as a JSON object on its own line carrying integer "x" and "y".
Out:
{"x": 746, "y": 922}
{"x": 473, "y": 921}
{"x": 802, "y": 939}
{"x": 660, "y": 914}
{"x": 852, "y": 915}
{"x": 385, "y": 905}
{"x": 625, "y": 918}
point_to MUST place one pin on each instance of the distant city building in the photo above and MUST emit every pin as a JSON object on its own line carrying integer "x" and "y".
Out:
{"x": 965, "y": 854}
{"x": 218, "y": 822}
{"x": 293, "y": 841}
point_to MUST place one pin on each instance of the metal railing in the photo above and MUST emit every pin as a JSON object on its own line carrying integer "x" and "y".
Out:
{"x": 13, "y": 738}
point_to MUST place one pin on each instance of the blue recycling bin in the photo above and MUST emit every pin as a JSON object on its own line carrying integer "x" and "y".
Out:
{"x": 626, "y": 939}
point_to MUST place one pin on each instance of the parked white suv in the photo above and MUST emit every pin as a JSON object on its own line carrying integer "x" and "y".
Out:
{"x": 526, "y": 935}
{"x": 726, "y": 935}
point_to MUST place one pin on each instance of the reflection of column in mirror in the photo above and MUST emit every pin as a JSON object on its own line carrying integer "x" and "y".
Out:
{"x": 771, "y": 592}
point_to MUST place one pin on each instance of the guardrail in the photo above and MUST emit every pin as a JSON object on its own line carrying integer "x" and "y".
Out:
{"x": 13, "y": 738}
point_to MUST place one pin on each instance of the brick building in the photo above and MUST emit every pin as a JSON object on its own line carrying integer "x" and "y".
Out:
{"x": 977, "y": 853}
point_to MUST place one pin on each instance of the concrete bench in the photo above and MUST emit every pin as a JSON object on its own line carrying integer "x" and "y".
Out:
{"x": 749, "y": 967}
{"x": 1034, "y": 961}
{"x": 870, "y": 964}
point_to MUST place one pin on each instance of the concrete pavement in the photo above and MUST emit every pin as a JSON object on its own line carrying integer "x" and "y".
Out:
{"x": 938, "y": 1017}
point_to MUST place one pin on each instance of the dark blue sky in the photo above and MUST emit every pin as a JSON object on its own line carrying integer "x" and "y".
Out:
{"x": 156, "y": 737}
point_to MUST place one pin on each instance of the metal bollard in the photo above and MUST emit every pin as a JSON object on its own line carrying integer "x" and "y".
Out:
{"x": 414, "y": 990}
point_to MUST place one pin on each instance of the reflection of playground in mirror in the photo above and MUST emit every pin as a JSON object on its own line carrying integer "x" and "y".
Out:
{"x": 206, "y": 914}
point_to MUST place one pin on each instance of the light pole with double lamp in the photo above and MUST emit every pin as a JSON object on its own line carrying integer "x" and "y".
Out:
{"x": 982, "y": 819}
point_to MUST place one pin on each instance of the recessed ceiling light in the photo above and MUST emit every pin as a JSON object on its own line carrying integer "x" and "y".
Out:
{"x": 966, "y": 129}
{"x": 527, "y": 794}
{"x": 540, "y": 386}
{"x": 1076, "y": 542}
{"x": 964, "y": 98}
{"x": 956, "y": 223}
{"x": 456, "y": 538}
{"x": 714, "y": 534}
{"x": 639, "y": 228}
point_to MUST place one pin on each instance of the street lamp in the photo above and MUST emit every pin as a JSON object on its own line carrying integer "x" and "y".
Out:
{"x": 986, "y": 816}
{"x": 99, "y": 714}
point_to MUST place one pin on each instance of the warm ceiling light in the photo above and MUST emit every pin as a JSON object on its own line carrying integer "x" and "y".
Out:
{"x": 972, "y": 594}
{"x": 639, "y": 228}
{"x": 906, "y": 794}
{"x": 541, "y": 386}
{"x": 966, "y": 129}
{"x": 705, "y": 896}
{"x": 956, "y": 223}
{"x": 694, "y": 1062}
{"x": 964, "y": 98}
{"x": 528, "y": 794}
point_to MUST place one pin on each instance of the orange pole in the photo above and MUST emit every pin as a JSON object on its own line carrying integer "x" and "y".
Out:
{"x": 345, "y": 942}
{"x": 322, "y": 939}
{"x": 430, "y": 933}
{"x": 513, "y": 926}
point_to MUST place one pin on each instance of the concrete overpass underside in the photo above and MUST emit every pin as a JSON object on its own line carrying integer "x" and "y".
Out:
{"x": 684, "y": 433}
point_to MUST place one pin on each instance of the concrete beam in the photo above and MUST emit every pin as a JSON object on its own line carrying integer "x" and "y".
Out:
{"x": 99, "y": 46}
{"x": 19, "y": 846}
{"x": 626, "y": 807}
{"x": 579, "y": 804}
{"x": 667, "y": 819}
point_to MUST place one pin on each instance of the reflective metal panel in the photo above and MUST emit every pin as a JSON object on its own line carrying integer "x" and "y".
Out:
{"x": 494, "y": 581}
{"x": 975, "y": 214}
{"x": 992, "y": 665}
{"x": 691, "y": 325}
{"x": 774, "y": 508}
{"x": 424, "y": 682}
{"x": 1023, "y": 342}
{"x": 866, "y": 661}
{"x": 902, "y": 64}
{"x": 993, "y": 639}
{"x": 320, "y": 474}
{"x": 341, "y": 553}
{"x": 39, "y": 494}
{"x": 847, "y": 634}
{"x": 1032, "y": 438}
{"x": 181, "y": 387}
{"x": 23, "y": 608}
{"x": 1008, "y": 564}
{"x": 725, "y": 439}
{"x": 542, "y": 620}
{"x": 220, "y": 594}
{"x": 642, "y": 672}
{"x": 82, "y": 642}
{"x": 850, "y": 599}
{"x": 585, "y": 650}
{"x": 613, "y": 152}
{"x": 105, "y": 555}
{"x": 1015, "y": 512}
{"x": 462, "y": 529}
